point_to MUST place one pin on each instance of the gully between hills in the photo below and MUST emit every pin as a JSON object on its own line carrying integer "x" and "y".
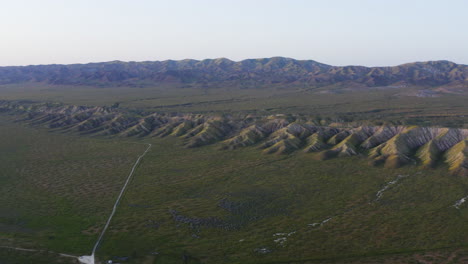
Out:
{"x": 392, "y": 146}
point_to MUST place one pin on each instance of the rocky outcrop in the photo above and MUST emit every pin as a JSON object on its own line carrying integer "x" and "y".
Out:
{"x": 392, "y": 146}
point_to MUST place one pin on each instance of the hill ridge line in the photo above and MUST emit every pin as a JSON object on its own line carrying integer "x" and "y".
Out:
{"x": 389, "y": 145}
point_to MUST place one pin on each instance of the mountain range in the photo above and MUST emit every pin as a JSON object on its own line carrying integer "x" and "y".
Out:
{"x": 250, "y": 73}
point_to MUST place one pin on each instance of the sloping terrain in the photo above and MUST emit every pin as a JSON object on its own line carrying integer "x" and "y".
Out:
{"x": 444, "y": 76}
{"x": 392, "y": 146}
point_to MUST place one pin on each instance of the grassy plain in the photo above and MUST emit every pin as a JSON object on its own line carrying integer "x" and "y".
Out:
{"x": 56, "y": 191}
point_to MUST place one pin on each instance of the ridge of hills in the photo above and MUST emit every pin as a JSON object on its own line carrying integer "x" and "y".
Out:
{"x": 390, "y": 145}
{"x": 250, "y": 73}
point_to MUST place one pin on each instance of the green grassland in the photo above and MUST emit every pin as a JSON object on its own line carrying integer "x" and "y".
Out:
{"x": 56, "y": 191}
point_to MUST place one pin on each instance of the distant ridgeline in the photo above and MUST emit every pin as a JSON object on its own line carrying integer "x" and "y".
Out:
{"x": 392, "y": 146}
{"x": 250, "y": 73}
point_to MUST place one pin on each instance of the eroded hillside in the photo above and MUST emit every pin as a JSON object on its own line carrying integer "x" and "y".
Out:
{"x": 391, "y": 146}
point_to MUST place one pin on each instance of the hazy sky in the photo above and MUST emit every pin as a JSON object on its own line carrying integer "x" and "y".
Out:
{"x": 337, "y": 32}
